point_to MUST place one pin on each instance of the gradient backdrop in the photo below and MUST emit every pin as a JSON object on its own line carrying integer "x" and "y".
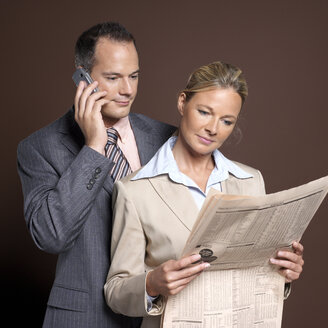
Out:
{"x": 282, "y": 48}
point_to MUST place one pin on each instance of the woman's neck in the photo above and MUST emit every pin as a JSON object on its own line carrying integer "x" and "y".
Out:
{"x": 196, "y": 166}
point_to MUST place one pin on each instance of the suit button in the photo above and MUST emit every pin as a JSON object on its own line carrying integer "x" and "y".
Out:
{"x": 95, "y": 175}
{"x": 89, "y": 186}
{"x": 98, "y": 170}
{"x": 92, "y": 181}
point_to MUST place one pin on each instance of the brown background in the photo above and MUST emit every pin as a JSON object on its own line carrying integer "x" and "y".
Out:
{"x": 282, "y": 48}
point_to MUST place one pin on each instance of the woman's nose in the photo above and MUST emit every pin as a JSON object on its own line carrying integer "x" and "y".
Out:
{"x": 212, "y": 127}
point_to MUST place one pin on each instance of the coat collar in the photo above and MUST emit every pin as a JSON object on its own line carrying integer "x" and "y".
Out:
{"x": 177, "y": 197}
{"x": 181, "y": 202}
{"x": 145, "y": 138}
{"x": 231, "y": 186}
{"x": 73, "y": 139}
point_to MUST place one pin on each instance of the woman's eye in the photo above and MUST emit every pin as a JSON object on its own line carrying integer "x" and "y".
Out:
{"x": 226, "y": 122}
{"x": 203, "y": 112}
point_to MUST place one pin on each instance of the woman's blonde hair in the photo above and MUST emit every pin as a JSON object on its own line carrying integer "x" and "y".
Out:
{"x": 216, "y": 75}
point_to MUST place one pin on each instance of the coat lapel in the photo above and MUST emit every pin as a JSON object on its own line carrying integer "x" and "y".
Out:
{"x": 145, "y": 138}
{"x": 178, "y": 198}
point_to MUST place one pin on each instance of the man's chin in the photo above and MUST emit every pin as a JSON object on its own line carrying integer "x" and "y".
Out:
{"x": 115, "y": 114}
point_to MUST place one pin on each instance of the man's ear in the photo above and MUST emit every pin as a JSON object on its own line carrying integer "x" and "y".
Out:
{"x": 181, "y": 103}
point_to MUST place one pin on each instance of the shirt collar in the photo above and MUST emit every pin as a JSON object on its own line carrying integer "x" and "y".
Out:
{"x": 223, "y": 164}
{"x": 164, "y": 163}
{"x": 122, "y": 126}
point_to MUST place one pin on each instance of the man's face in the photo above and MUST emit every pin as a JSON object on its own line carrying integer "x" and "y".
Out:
{"x": 116, "y": 68}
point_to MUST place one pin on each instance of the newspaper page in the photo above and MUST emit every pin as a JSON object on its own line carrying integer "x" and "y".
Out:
{"x": 241, "y": 298}
{"x": 238, "y": 235}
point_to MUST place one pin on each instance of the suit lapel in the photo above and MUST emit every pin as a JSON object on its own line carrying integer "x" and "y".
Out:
{"x": 178, "y": 198}
{"x": 145, "y": 138}
{"x": 73, "y": 138}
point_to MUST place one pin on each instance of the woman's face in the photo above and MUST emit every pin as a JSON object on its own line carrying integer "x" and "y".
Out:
{"x": 208, "y": 119}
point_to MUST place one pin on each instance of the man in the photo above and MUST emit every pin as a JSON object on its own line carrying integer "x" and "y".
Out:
{"x": 67, "y": 172}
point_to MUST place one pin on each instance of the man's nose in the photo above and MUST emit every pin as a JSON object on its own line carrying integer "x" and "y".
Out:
{"x": 125, "y": 87}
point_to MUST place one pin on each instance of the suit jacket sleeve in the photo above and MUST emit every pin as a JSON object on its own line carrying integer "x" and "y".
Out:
{"x": 56, "y": 203}
{"x": 125, "y": 290}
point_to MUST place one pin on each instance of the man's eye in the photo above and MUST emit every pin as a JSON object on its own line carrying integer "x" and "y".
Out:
{"x": 111, "y": 78}
{"x": 134, "y": 77}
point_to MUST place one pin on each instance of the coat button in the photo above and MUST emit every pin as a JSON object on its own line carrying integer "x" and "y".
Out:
{"x": 89, "y": 186}
{"x": 92, "y": 181}
{"x": 98, "y": 170}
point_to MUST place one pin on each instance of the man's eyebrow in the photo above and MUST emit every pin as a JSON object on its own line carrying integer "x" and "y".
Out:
{"x": 135, "y": 72}
{"x": 119, "y": 74}
{"x": 110, "y": 73}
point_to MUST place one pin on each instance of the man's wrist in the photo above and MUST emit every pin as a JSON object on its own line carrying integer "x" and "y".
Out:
{"x": 99, "y": 149}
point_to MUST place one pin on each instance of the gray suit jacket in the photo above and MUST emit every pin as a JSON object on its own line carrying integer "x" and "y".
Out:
{"x": 152, "y": 221}
{"x": 66, "y": 218}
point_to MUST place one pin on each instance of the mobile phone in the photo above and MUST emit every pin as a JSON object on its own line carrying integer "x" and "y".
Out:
{"x": 82, "y": 75}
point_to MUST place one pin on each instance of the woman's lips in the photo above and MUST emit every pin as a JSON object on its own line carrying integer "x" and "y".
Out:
{"x": 205, "y": 140}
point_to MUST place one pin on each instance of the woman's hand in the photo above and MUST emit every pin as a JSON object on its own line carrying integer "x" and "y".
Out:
{"x": 291, "y": 262}
{"x": 172, "y": 276}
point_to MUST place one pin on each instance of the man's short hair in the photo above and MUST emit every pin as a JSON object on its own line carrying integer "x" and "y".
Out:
{"x": 86, "y": 43}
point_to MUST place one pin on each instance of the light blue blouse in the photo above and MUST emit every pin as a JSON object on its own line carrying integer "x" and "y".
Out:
{"x": 163, "y": 162}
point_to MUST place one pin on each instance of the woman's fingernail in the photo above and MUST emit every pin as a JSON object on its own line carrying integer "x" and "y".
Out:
{"x": 195, "y": 257}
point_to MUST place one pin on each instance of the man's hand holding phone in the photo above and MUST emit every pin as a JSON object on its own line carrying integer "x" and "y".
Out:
{"x": 88, "y": 104}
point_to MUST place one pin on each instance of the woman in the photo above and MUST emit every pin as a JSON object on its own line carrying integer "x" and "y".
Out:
{"x": 155, "y": 208}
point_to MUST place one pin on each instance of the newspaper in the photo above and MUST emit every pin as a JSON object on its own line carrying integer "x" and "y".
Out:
{"x": 238, "y": 235}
